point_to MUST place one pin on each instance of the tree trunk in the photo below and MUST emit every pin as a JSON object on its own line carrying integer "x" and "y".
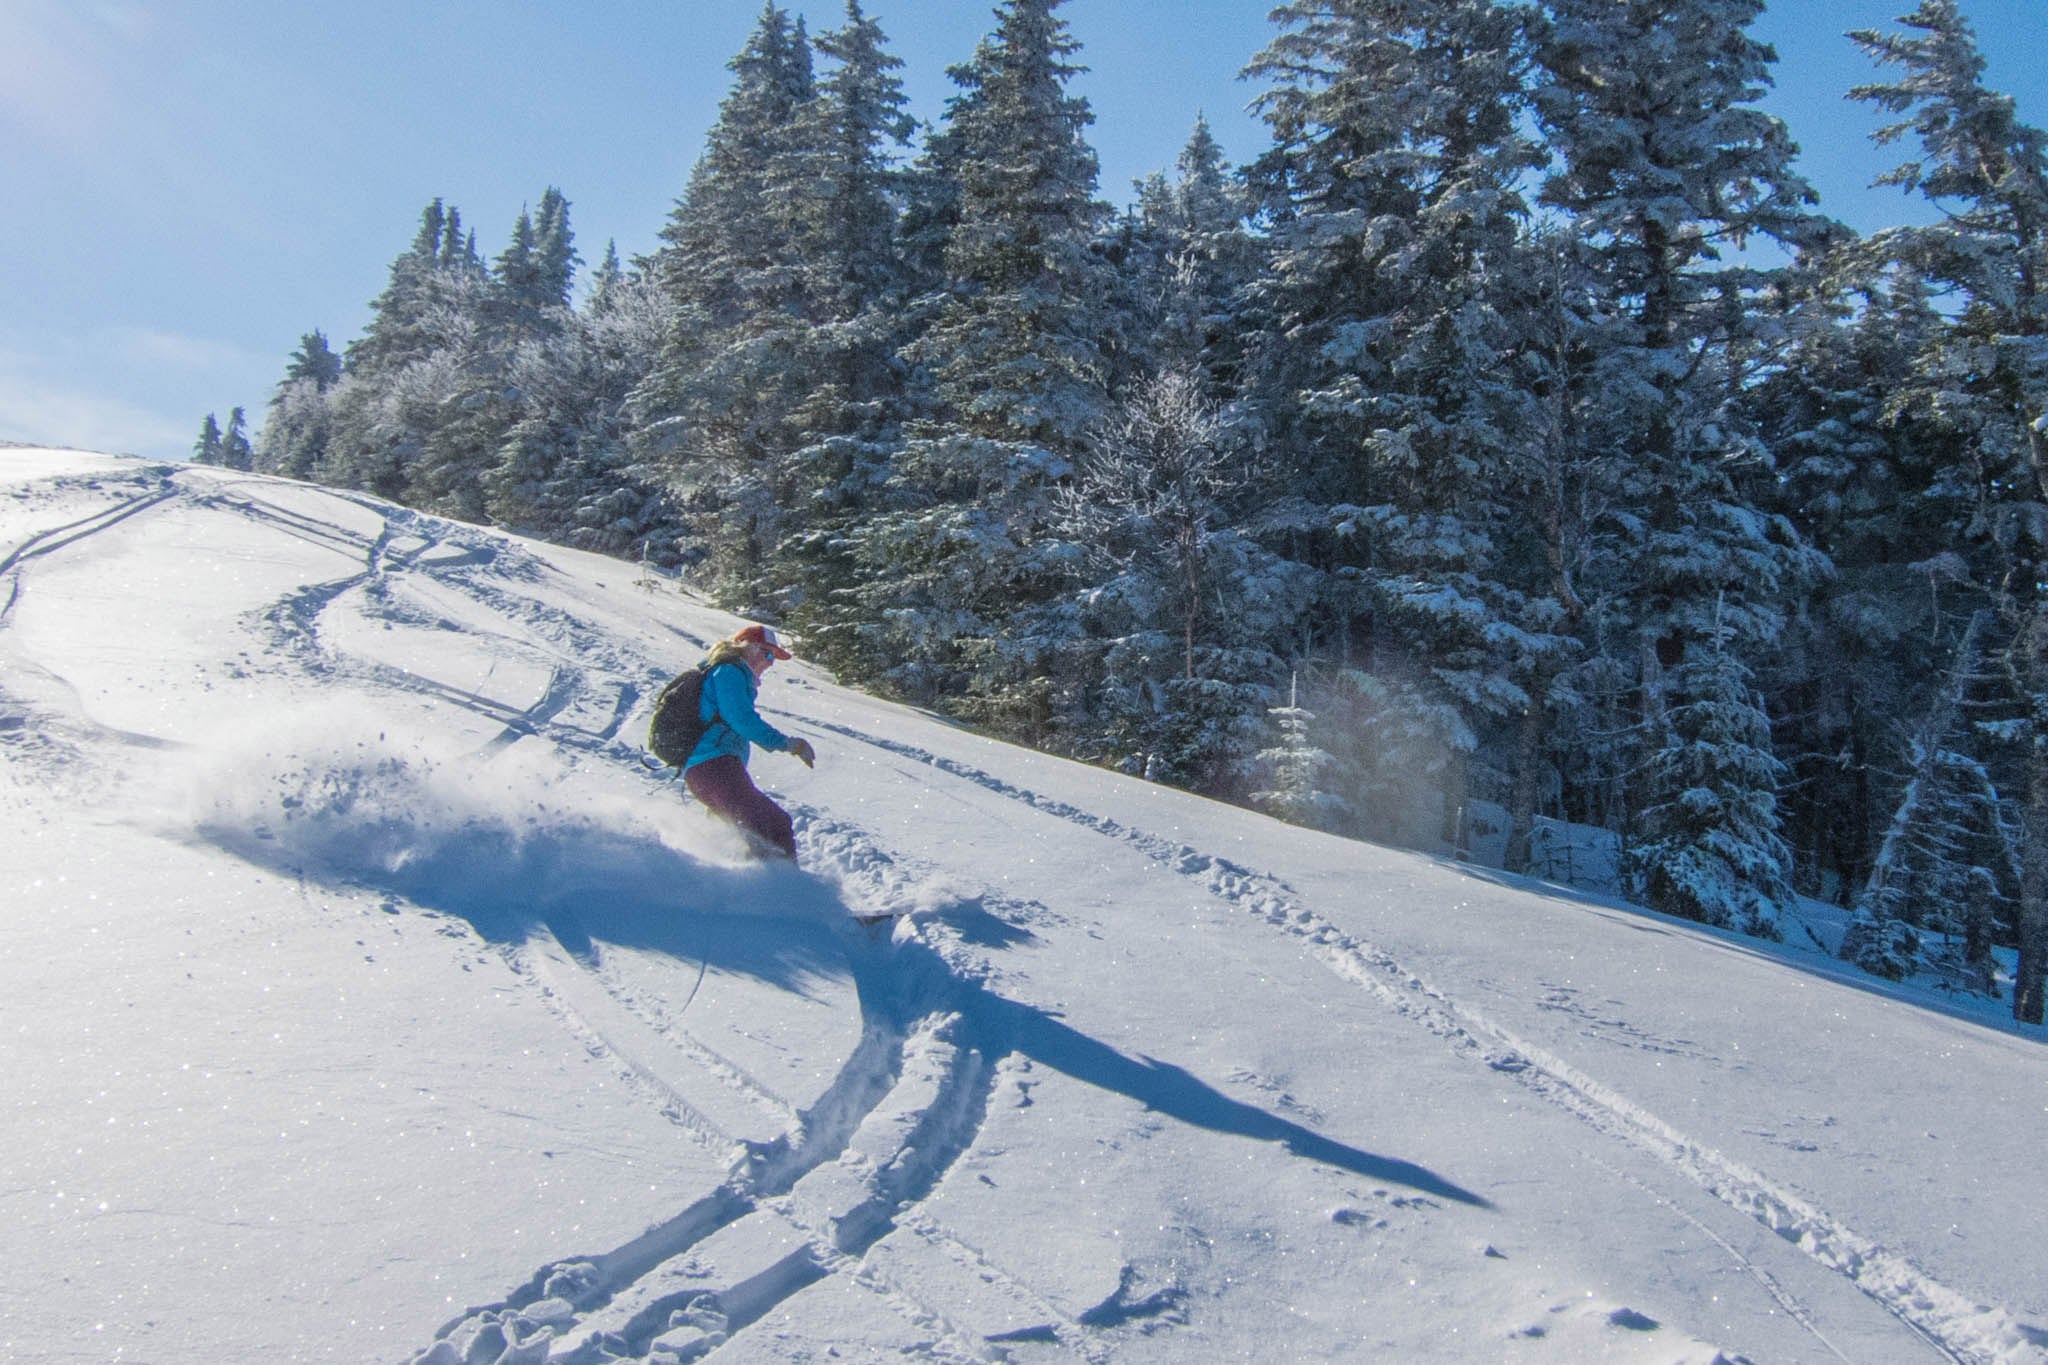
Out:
{"x": 1453, "y": 808}
{"x": 2027, "y": 1001}
{"x": 1522, "y": 803}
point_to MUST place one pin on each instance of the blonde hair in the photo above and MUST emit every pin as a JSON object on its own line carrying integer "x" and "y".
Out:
{"x": 726, "y": 652}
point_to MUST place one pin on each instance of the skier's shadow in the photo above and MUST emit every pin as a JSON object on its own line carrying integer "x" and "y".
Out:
{"x": 594, "y": 891}
{"x": 999, "y": 1025}
{"x": 907, "y": 979}
{"x": 588, "y": 889}
{"x": 1173, "y": 1091}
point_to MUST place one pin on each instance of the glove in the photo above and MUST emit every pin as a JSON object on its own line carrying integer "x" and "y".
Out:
{"x": 804, "y": 752}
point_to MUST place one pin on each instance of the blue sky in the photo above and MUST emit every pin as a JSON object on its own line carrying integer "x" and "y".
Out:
{"x": 193, "y": 184}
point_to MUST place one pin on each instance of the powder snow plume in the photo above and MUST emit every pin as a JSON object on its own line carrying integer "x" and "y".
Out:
{"x": 491, "y": 838}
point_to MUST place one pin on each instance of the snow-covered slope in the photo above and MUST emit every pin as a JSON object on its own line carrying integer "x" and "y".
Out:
{"x": 365, "y": 998}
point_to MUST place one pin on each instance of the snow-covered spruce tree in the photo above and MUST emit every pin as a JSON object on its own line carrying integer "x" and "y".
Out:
{"x": 609, "y": 275}
{"x": 853, "y": 134}
{"x": 960, "y": 580}
{"x": 1302, "y": 774}
{"x": 1395, "y": 355}
{"x": 1707, "y": 846}
{"x": 1178, "y": 607}
{"x": 554, "y": 249}
{"x": 235, "y": 450}
{"x": 567, "y": 471}
{"x": 459, "y": 407}
{"x": 1985, "y": 373}
{"x": 401, "y": 327}
{"x": 720, "y": 408}
{"x": 1870, "y": 487}
{"x": 1662, "y": 163}
{"x": 522, "y": 300}
{"x": 293, "y": 441}
{"x": 407, "y": 362}
{"x": 531, "y": 278}
{"x": 1188, "y": 253}
{"x": 228, "y": 448}
{"x": 1175, "y": 259}
{"x": 516, "y": 273}
{"x": 1564, "y": 761}
{"x": 1181, "y": 607}
{"x": 315, "y": 360}
{"x": 206, "y": 450}
{"x": 1946, "y": 864}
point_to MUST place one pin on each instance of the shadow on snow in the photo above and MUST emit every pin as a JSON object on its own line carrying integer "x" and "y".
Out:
{"x": 594, "y": 889}
{"x": 913, "y": 979}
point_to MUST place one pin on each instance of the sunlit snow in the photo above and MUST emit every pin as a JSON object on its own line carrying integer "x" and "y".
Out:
{"x": 365, "y": 997}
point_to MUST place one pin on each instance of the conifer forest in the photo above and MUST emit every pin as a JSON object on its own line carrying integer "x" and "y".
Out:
{"x": 1515, "y": 435}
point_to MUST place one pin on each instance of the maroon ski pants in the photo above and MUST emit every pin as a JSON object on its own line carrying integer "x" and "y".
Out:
{"x": 727, "y": 791}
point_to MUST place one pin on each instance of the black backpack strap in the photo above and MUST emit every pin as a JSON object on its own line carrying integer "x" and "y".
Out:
{"x": 704, "y": 672}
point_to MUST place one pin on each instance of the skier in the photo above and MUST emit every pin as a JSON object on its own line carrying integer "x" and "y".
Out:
{"x": 716, "y": 773}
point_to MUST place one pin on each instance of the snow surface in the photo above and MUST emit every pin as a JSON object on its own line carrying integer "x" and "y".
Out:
{"x": 367, "y": 999}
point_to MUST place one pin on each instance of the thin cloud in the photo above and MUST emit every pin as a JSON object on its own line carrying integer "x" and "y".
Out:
{"x": 48, "y": 93}
{"x": 37, "y": 411}
{"x": 160, "y": 349}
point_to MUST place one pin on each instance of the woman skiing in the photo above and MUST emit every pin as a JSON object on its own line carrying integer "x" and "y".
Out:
{"x": 716, "y": 772}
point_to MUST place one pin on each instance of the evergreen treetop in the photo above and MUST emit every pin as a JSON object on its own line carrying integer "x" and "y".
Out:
{"x": 314, "y": 360}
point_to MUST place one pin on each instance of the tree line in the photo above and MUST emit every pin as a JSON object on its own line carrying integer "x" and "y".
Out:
{"x": 1515, "y": 428}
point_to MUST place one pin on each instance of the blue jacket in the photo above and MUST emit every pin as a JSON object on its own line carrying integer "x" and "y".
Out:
{"x": 728, "y": 704}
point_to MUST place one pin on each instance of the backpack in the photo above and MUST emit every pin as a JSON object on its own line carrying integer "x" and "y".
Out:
{"x": 677, "y": 724}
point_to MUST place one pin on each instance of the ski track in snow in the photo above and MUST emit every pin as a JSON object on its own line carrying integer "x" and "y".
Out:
{"x": 813, "y": 1201}
{"x": 159, "y": 486}
{"x": 848, "y": 1171}
{"x": 600, "y": 1020}
{"x": 568, "y": 975}
{"x": 1948, "y": 1321}
{"x": 71, "y": 533}
{"x": 809, "y": 1202}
